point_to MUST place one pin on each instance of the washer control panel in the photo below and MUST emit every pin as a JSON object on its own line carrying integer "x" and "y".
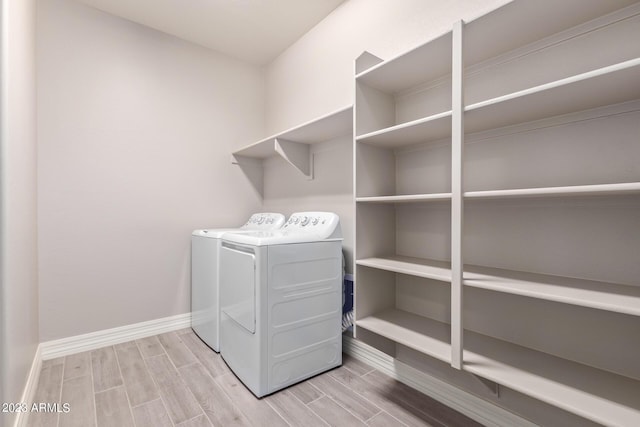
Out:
{"x": 266, "y": 220}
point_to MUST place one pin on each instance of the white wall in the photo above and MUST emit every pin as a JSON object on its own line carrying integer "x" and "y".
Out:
{"x": 19, "y": 291}
{"x": 135, "y": 130}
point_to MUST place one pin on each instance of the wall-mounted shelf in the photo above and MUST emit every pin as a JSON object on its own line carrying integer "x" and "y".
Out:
{"x": 430, "y": 128}
{"x": 411, "y": 68}
{"x": 522, "y": 23}
{"x": 612, "y": 297}
{"x": 586, "y": 293}
{"x": 598, "y": 395}
{"x": 428, "y": 337}
{"x": 609, "y": 85}
{"x": 595, "y": 394}
{"x": 429, "y": 269}
{"x": 293, "y": 145}
{"x": 618, "y": 189}
{"x": 409, "y": 198}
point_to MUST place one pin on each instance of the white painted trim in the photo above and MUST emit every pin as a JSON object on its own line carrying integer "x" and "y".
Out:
{"x": 30, "y": 388}
{"x": 472, "y": 406}
{"x": 94, "y": 340}
{"x": 457, "y": 196}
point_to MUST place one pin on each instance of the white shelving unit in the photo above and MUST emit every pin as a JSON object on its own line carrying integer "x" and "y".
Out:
{"x": 539, "y": 212}
{"x": 293, "y": 145}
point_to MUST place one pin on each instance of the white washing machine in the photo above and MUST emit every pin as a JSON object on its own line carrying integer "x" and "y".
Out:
{"x": 281, "y": 301}
{"x": 205, "y": 250}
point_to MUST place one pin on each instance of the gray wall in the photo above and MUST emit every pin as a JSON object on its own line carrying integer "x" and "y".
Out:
{"x": 18, "y": 241}
{"x": 135, "y": 133}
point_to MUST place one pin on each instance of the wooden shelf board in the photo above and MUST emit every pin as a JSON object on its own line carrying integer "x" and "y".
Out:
{"x": 432, "y": 128}
{"x": 592, "y": 393}
{"x": 605, "y": 86}
{"x": 412, "y": 68}
{"x": 410, "y": 198}
{"x": 419, "y": 333}
{"x": 324, "y": 128}
{"x": 568, "y": 191}
{"x": 429, "y": 269}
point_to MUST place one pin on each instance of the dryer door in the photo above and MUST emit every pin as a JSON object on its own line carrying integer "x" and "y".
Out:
{"x": 238, "y": 285}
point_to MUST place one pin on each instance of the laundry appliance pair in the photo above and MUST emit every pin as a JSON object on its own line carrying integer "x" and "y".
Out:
{"x": 280, "y": 298}
{"x": 205, "y": 268}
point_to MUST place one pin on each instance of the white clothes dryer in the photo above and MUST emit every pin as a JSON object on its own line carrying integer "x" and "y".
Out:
{"x": 205, "y": 250}
{"x": 281, "y": 301}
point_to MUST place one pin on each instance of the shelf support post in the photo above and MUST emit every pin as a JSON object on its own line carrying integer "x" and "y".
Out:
{"x": 457, "y": 145}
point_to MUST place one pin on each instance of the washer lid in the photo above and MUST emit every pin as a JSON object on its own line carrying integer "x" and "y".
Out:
{"x": 302, "y": 227}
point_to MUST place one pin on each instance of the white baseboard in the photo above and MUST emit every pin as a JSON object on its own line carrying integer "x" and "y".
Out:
{"x": 470, "y": 405}
{"x": 94, "y": 340}
{"x": 30, "y": 388}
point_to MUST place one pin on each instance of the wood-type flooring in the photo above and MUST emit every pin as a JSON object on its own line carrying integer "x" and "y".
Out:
{"x": 174, "y": 379}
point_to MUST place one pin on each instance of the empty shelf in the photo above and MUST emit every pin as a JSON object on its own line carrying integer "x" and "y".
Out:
{"x": 409, "y": 198}
{"x": 427, "y": 62}
{"x": 598, "y": 395}
{"x": 432, "y": 128}
{"x": 587, "y": 293}
{"x": 324, "y": 128}
{"x": 429, "y": 269}
{"x": 605, "y": 86}
{"x": 568, "y": 191}
{"x": 419, "y": 333}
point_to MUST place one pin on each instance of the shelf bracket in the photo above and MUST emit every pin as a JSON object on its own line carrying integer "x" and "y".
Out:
{"x": 297, "y": 155}
{"x": 493, "y": 386}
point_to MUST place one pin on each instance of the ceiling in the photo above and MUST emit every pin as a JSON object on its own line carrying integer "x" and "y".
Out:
{"x": 255, "y": 31}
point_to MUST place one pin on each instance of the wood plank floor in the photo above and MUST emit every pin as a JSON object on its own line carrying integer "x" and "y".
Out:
{"x": 175, "y": 380}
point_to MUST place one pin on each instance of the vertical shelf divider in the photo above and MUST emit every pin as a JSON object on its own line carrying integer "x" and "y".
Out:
{"x": 457, "y": 144}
